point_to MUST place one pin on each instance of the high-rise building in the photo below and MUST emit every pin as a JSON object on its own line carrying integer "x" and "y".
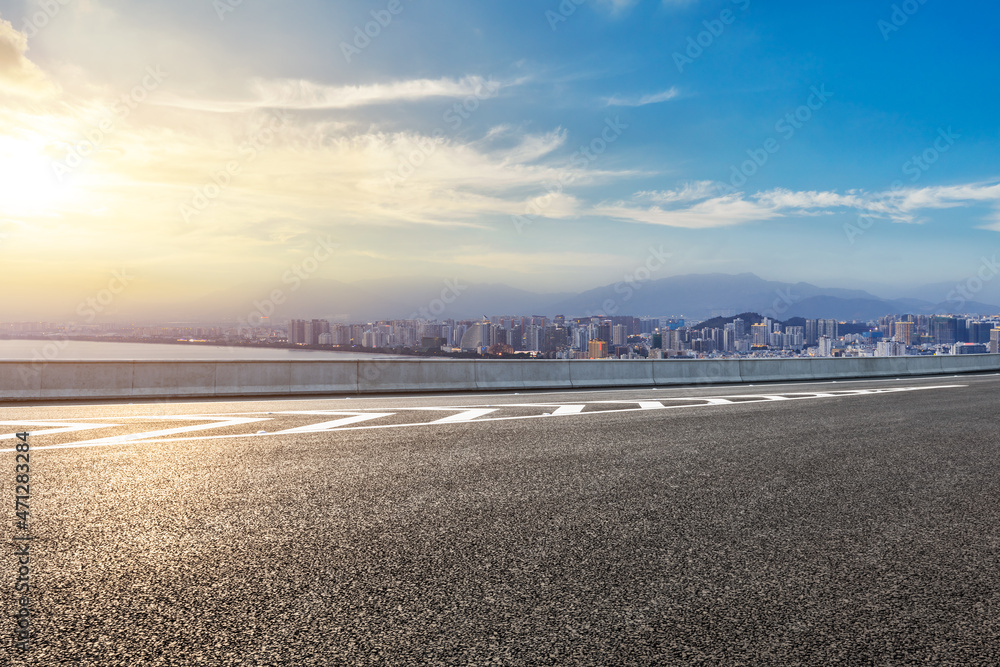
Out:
{"x": 979, "y": 332}
{"x": 729, "y": 339}
{"x": 597, "y": 349}
{"x": 995, "y": 341}
{"x": 309, "y": 333}
{"x": 826, "y": 328}
{"x": 619, "y": 335}
{"x": 740, "y": 327}
{"x": 297, "y": 332}
{"x": 812, "y": 335}
{"x": 533, "y": 337}
{"x": 825, "y": 346}
{"x": 904, "y": 332}
{"x": 760, "y": 334}
{"x": 945, "y": 330}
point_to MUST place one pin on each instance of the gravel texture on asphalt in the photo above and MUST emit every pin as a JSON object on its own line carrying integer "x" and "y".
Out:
{"x": 853, "y": 530}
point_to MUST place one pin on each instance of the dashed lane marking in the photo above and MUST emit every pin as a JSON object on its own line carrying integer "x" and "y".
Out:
{"x": 356, "y": 419}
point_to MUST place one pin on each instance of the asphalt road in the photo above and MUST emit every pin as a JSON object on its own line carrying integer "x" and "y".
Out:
{"x": 814, "y": 524}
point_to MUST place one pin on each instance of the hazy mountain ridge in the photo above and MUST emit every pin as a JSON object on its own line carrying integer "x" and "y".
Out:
{"x": 695, "y": 297}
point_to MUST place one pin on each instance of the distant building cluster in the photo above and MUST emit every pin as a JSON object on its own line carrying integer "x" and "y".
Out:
{"x": 597, "y": 337}
{"x": 632, "y": 337}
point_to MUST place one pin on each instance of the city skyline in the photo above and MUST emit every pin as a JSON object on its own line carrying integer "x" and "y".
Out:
{"x": 201, "y": 146}
{"x": 747, "y": 335}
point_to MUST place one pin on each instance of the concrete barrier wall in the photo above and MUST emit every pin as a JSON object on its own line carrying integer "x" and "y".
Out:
{"x": 62, "y": 380}
{"x": 631, "y": 373}
{"x": 86, "y": 379}
{"x": 155, "y": 378}
{"x": 19, "y": 381}
{"x": 415, "y": 375}
{"x": 340, "y": 377}
{"x": 696, "y": 371}
{"x": 964, "y": 363}
{"x": 521, "y": 374}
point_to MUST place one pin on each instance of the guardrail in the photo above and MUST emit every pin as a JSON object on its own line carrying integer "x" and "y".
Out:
{"x": 64, "y": 380}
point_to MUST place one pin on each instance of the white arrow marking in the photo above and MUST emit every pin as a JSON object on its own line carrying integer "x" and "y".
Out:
{"x": 569, "y": 409}
{"x": 336, "y": 423}
{"x": 651, "y": 405}
{"x": 118, "y": 439}
{"x": 64, "y": 428}
{"x": 465, "y": 416}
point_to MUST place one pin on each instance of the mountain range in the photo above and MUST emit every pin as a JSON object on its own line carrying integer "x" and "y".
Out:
{"x": 694, "y": 296}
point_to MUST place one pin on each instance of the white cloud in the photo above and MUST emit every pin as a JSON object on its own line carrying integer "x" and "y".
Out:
{"x": 693, "y": 191}
{"x": 532, "y": 147}
{"x": 698, "y": 206}
{"x": 302, "y": 94}
{"x": 619, "y": 6}
{"x": 717, "y": 212}
{"x": 18, "y": 75}
{"x": 655, "y": 98}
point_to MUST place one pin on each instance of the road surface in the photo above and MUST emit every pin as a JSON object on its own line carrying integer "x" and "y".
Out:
{"x": 824, "y": 523}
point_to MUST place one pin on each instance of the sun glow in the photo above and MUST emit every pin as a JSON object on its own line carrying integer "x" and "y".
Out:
{"x": 29, "y": 185}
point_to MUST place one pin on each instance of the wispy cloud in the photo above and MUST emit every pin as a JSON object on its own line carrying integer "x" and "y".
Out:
{"x": 619, "y": 6}
{"x": 655, "y": 98}
{"x": 300, "y": 94}
{"x": 688, "y": 192}
{"x": 698, "y": 206}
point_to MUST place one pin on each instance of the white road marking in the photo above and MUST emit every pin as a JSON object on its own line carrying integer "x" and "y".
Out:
{"x": 554, "y": 392}
{"x": 336, "y": 423}
{"x": 119, "y": 439}
{"x": 708, "y": 401}
{"x": 463, "y": 415}
{"x": 63, "y": 427}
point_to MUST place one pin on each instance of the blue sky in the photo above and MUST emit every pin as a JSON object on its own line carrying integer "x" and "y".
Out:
{"x": 250, "y": 132}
